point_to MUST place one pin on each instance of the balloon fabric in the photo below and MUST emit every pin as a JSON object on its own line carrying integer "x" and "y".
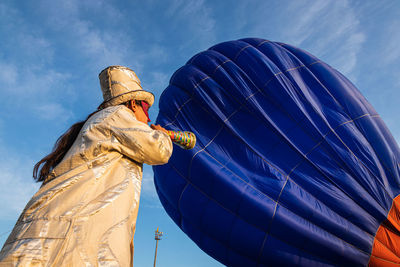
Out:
{"x": 292, "y": 165}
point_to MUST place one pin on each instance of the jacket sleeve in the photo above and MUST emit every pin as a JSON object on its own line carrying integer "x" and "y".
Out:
{"x": 136, "y": 140}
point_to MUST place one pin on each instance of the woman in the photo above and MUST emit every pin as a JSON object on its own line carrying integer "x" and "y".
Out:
{"x": 85, "y": 212}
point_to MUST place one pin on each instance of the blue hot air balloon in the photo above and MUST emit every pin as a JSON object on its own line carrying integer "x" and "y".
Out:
{"x": 292, "y": 165}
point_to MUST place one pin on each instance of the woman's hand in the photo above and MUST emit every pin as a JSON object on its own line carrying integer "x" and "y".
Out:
{"x": 158, "y": 127}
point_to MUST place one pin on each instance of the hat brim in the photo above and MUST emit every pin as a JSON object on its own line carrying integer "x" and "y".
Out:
{"x": 133, "y": 95}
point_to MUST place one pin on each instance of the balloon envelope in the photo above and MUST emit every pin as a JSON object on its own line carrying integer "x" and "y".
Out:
{"x": 292, "y": 165}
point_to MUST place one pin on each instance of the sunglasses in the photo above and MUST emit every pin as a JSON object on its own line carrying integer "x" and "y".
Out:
{"x": 145, "y": 106}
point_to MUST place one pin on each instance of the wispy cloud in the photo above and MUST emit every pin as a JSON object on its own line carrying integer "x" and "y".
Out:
{"x": 332, "y": 32}
{"x": 16, "y": 183}
{"x": 24, "y": 82}
{"x": 149, "y": 195}
{"x": 8, "y": 75}
{"x": 328, "y": 29}
{"x": 26, "y": 78}
{"x": 36, "y": 91}
{"x": 20, "y": 41}
{"x": 148, "y": 188}
{"x": 156, "y": 81}
{"x": 303, "y": 26}
{"x": 196, "y": 17}
{"x": 391, "y": 52}
{"x": 338, "y": 38}
{"x": 100, "y": 43}
{"x": 53, "y": 111}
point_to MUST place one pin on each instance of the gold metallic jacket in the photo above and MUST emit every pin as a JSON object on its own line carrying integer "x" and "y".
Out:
{"x": 85, "y": 212}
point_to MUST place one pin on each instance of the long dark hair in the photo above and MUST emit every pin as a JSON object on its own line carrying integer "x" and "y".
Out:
{"x": 61, "y": 147}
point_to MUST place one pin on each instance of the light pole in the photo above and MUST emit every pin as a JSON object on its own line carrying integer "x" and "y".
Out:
{"x": 157, "y": 237}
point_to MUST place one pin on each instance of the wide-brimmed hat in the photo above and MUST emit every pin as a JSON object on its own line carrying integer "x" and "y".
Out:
{"x": 120, "y": 84}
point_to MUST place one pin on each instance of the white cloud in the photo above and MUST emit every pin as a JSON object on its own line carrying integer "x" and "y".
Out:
{"x": 29, "y": 73}
{"x": 24, "y": 82}
{"x": 8, "y": 75}
{"x": 101, "y": 45}
{"x": 304, "y": 24}
{"x": 148, "y": 187}
{"x": 53, "y": 111}
{"x": 332, "y": 33}
{"x": 197, "y": 18}
{"x": 16, "y": 183}
{"x": 21, "y": 41}
{"x": 35, "y": 91}
{"x": 391, "y": 52}
{"x": 149, "y": 196}
{"x": 156, "y": 53}
{"x": 26, "y": 78}
{"x": 156, "y": 81}
{"x": 329, "y": 29}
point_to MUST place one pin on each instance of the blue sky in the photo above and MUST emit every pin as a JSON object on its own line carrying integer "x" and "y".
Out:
{"x": 52, "y": 51}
